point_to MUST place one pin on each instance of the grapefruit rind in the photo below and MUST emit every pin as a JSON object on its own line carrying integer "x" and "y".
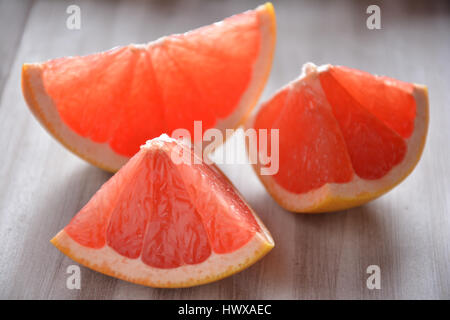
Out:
{"x": 216, "y": 267}
{"x": 101, "y": 154}
{"x": 340, "y": 196}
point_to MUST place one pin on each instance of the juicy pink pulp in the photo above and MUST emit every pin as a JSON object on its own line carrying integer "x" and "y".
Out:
{"x": 166, "y": 214}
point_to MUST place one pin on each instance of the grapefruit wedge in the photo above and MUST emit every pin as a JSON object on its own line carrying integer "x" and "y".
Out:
{"x": 104, "y": 106}
{"x": 345, "y": 137}
{"x": 165, "y": 223}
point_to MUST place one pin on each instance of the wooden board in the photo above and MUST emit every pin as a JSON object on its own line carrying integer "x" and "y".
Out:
{"x": 406, "y": 233}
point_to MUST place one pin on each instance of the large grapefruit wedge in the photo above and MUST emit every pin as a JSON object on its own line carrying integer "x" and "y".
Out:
{"x": 165, "y": 223}
{"x": 105, "y": 105}
{"x": 345, "y": 137}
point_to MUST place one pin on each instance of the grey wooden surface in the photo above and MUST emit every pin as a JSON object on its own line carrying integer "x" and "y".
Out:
{"x": 406, "y": 232}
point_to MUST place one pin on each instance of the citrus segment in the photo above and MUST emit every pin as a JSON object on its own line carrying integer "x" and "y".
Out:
{"x": 178, "y": 224}
{"x": 373, "y": 147}
{"x": 339, "y": 143}
{"x": 89, "y": 226}
{"x": 388, "y": 99}
{"x": 308, "y": 131}
{"x": 227, "y": 230}
{"x": 105, "y": 105}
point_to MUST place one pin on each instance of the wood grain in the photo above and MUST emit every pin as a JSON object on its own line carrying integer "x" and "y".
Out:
{"x": 406, "y": 232}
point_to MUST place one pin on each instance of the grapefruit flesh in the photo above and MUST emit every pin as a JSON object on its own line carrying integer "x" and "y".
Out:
{"x": 162, "y": 223}
{"x": 345, "y": 137}
{"x": 105, "y": 105}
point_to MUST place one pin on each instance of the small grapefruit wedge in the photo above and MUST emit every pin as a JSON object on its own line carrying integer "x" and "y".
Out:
{"x": 104, "y": 106}
{"x": 345, "y": 137}
{"x": 165, "y": 223}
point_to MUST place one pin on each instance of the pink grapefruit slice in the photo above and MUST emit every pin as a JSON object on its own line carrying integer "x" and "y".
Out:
{"x": 345, "y": 137}
{"x": 165, "y": 223}
{"x": 105, "y": 105}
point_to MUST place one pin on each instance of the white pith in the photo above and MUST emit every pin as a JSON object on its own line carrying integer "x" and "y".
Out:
{"x": 358, "y": 190}
{"x": 215, "y": 267}
{"x": 101, "y": 154}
